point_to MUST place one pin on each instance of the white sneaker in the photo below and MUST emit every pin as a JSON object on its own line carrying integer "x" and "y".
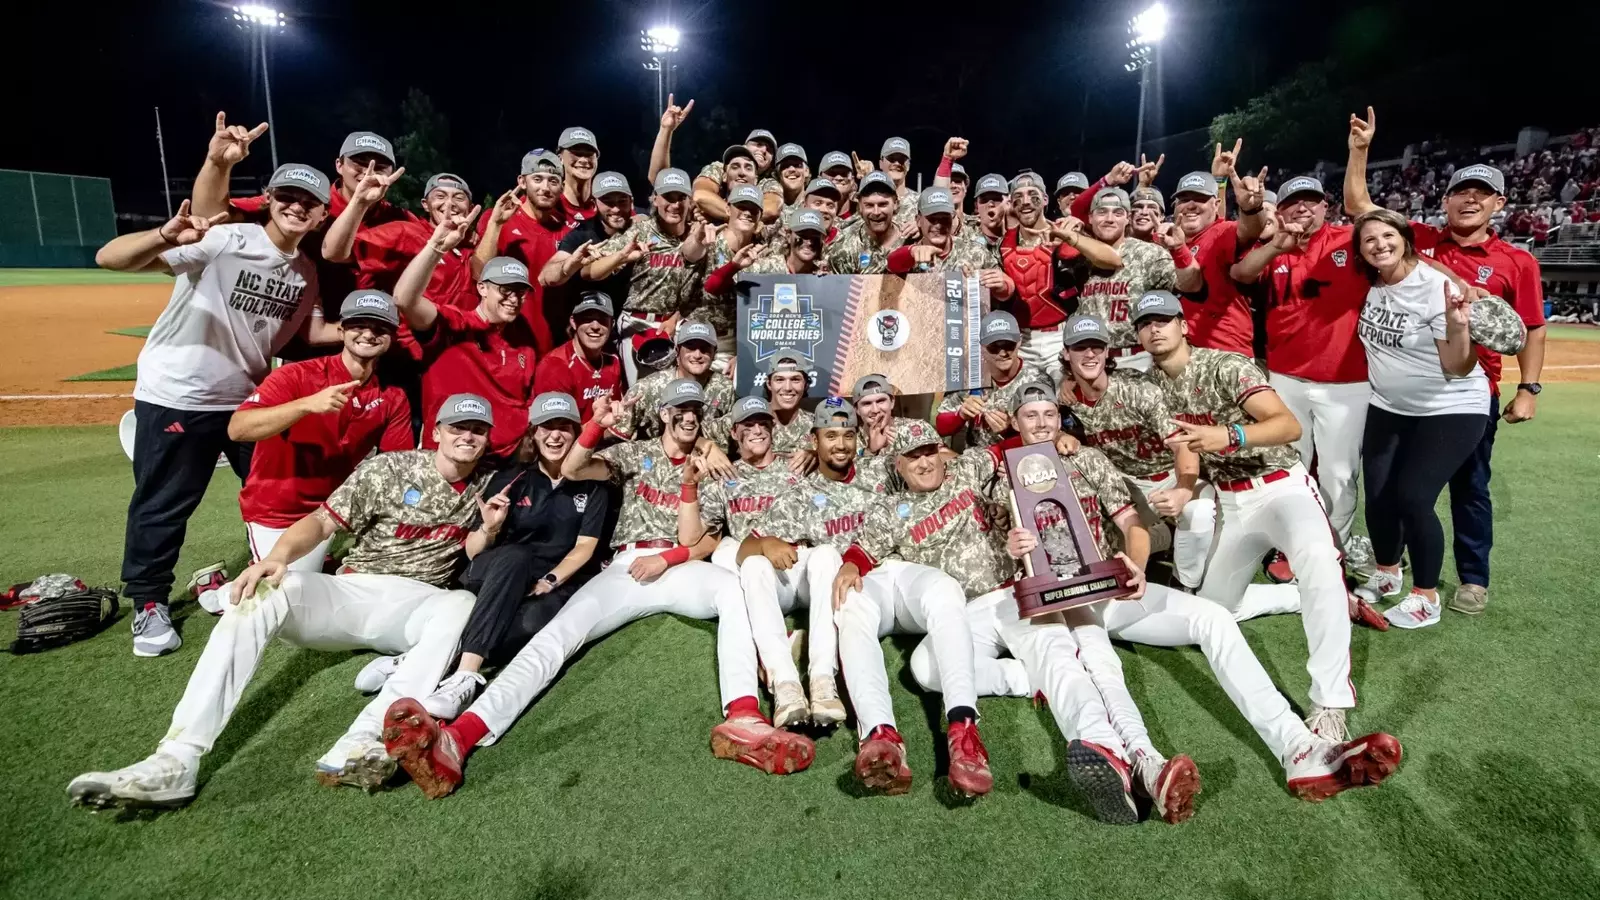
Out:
{"x": 375, "y": 674}
{"x": 153, "y": 634}
{"x": 1415, "y": 611}
{"x": 789, "y": 706}
{"x": 826, "y": 707}
{"x": 356, "y": 761}
{"x": 159, "y": 779}
{"x": 451, "y": 697}
{"x": 1386, "y": 584}
{"x": 1328, "y": 723}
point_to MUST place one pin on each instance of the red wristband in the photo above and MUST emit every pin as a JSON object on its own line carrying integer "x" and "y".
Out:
{"x": 676, "y": 555}
{"x": 946, "y": 166}
{"x": 1181, "y": 257}
{"x": 689, "y": 492}
{"x": 859, "y": 558}
{"x": 591, "y": 436}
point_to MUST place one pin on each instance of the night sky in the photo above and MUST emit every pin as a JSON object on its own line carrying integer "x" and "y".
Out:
{"x": 1010, "y": 76}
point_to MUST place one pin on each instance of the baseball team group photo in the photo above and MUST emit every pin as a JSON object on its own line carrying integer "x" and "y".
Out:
{"x": 539, "y": 475}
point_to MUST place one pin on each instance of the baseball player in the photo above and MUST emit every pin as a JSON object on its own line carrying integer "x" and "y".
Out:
{"x": 382, "y": 251}
{"x": 312, "y": 423}
{"x": 1147, "y": 214}
{"x": 874, "y": 398}
{"x": 822, "y": 196}
{"x": 650, "y": 573}
{"x": 1068, "y": 188}
{"x": 785, "y": 382}
{"x": 1216, "y": 309}
{"x": 613, "y": 204}
{"x": 527, "y": 224}
{"x": 836, "y": 167}
{"x": 696, "y": 344}
{"x": 582, "y": 368}
{"x": 894, "y": 160}
{"x": 864, "y": 248}
{"x": 241, "y": 291}
{"x": 979, "y": 416}
{"x": 411, "y": 513}
{"x": 748, "y": 163}
{"x": 742, "y": 235}
{"x": 580, "y": 161}
{"x": 1107, "y": 294}
{"x": 797, "y": 252}
{"x": 937, "y": 248}
{"x": 793, "y": 171}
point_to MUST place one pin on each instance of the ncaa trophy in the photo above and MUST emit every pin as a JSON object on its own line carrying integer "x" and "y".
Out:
{"x": 1037, "y": 477}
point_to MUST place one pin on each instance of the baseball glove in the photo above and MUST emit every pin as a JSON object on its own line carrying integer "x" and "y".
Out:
{"x": 57, "y": 621}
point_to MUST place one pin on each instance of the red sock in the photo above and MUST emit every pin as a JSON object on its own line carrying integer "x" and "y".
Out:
{"x": 468, "y": 731}
{"x": 745, "y": 706}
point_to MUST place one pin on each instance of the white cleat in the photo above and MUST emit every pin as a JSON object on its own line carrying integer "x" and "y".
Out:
{"x": 827, "y": 709}
{"x": 1321, "y": 768}
{"x": 158, "y": 780}
{"x": 451, "y": 698}
{"x": 375, "y": 674}
{"x": 356, "y": 761}
{"x": 1328, "y": 723}
{"x": 153, "y": 634}
{"x": 1415, "y": 611}
{"x": 789, "y": 705}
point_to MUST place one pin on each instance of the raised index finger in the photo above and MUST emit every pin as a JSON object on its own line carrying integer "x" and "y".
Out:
{"x": 222, "y": 120}
{"x": 1238, "y": 144}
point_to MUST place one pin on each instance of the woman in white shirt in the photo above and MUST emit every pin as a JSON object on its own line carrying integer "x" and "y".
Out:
{"x": 1429, "y": 406}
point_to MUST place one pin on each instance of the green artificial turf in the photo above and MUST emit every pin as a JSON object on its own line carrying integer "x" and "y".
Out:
{"x": 34, "y": 277}
{"x": 129, "y": 372}
{"x": 607, "y": 789}
{"x": 137, "y": 331}
{"x": 1564, "y": 332}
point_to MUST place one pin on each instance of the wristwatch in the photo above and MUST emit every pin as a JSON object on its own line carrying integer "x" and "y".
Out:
{"x": 1532, "y": 387}
{"x": 550, "y": 579}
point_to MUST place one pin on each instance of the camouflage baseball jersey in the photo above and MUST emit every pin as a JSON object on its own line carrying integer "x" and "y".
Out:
{"x": 821, "y": 512}
{"x": 854, "y": 252}
{"x": 896, "y": 424}
{"x": 1109, "y": 295}
{"x": 908, "y": 207}
{"x": 1129, "y": 423}
{"x": 786, "y": 439}
{"x": 1102, "y": 495}
{"x": 994, "y": 398}
{"x": 733, "y": 507}
{"x": 642, "y": 419}
{"x": 663, "y": 282}
{"x": 711, "y": 308}
{"x": 973, "y": 232}
{"x": 406, "y": 519}
{"x": 956, "y": 528}
{"x": 966, "y": 254}
{"x": 650, "y": 482}
{"x": 1211, "y": 390}
{"x": 715, "y": 171}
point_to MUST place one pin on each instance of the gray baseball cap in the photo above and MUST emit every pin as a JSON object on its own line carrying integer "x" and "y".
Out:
{"x": 867, "y": 385}
{"x": 1303, "y": 184}
{"x": 833, "y": 159}
{"x": 957, "y": 170}
{"x": 744, "y": 193}
{"x": 577, "y": 137}
{"x": 594, "y": 301}
{"x": 1032, "y": 392}
{"x": 749, "y": 408}
{"x": 611, "y": 183}
{"x": 998, "y": 326}
{"x": 895, "y": 145}
{"x": 791, "y": 151}
{"x": 1081, "y": 329}
{"x": 991, "y": 184}
{"x": 505, "y": 270}
{"x": 682, "y": 391}
{"x": 1488, "y": 176}
{"x": 358, "y": 142}
{"x": 1157, "y": 303}
{"x": 1269, "y": 197}
{"x": 761, "y": 134}
{"x": 458, "y": 408}
{"x": 694, "y": 331}
{"x": 1196, "y": 183}
{"x": 787, "y": 361}
{"x": 370, "y": 304}
{"x": 1071, "y": 180}
{"x": 822, "y": 186}
{"x": 1024, "y": 179}
{"x": 1109, "y": 197}
{"x": 806, "y": 220}
{"x": 533, "y": 160}
{"x": 736, "y": 151}
{"x": 1149, "y": 194}
{"x": 935, "y": 200}
{"x": 553, "y": 405}
{"x": 875, "y": 181}
{"x": 672, "y": 181}
{"x": 913, "y": 435}
{"x": 447, "y": 181}
{"x": 834, "y": 412}
{"x": 304, "y": 177}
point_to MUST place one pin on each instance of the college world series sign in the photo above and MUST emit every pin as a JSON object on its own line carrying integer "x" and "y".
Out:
{"x": 919, "y": 330}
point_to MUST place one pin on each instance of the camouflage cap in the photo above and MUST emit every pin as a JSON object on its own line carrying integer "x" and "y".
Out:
{"x": 458, "y": 408}
{"x": 913, "y": 435}
{"x": 681, "y": 392}
{"x": 1496, "y": 326}
{"x": 1032, "y": 392}
{"x": 1072, "y": 181}
{"x": 867, "y": 385}
{"x": 553, "y": 405}
{"x": 749, "y": 408}
{"x": 1081, "y": 329}
{"x": 833, "y": 412}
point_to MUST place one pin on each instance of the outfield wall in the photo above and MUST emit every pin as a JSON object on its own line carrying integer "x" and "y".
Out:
{"x": 53, "y": 221}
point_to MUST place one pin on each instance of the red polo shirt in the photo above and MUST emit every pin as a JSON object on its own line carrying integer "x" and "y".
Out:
{"x": 1508, "y": 272}
{"x": 532, "y": 241}
{"x": 575, "y": 214}
{"x": 1314, "y": 298}
{"x": 383, "y": 251}
{"x": 465, "y": 354}
{"x": 567, "y": 370}
{"x": 291, "y": 473}
{"x": 1218, "y": 314}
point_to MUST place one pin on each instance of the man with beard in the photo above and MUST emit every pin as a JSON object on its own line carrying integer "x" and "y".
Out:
{"x": 1471, "y": 252}
{"x": 527, "y": 224}
{"x": 939, "y": 248}
{"x": 613, "y": 203}
{"x": 650, "y": 573}
{"x": 580, "y": 160}
{"x": 410, "y": 513}
{"x": 1215, "y": 307}
{"x": 836, "y": 168}
{"x": 981, "y": 415}
{"x": 241, "y": 292}
{"x": 582, "y": 368}
{"x": 696, "y": 344}
{"x": 894, "y": 160}
{"x": 748, "y": 163}
{"x": 1107, "y": 293}
{"x": 864, "y": 248}
{"x": 743, "y": 230}
{"x": 874, "y": 397}
{"x": 1068, "y": 188}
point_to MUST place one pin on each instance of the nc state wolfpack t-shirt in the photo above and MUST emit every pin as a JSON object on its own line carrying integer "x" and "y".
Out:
{"x": 236, "y": 301}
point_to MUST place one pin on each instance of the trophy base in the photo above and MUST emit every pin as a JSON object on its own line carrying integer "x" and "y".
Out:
{"x": 1040, "y": 595}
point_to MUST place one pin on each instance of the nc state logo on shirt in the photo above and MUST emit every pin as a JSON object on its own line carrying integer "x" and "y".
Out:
{"x": 1483, "y": 274}
{"x": 1340, "y": 257}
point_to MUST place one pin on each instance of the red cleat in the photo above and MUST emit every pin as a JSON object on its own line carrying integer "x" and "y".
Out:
{"x": 881, "y": 762}
{"x": 428, "y": 753}
{"x": 1362, "y": 613}
{"x": 1105, "y": 781}
{"x": 1325, "y": 768}
{"x": 1171, "y": 788}
{"x": 752, "y": 741}
{"x": 969, "y": 761}
{"x": 1277, "y": 569}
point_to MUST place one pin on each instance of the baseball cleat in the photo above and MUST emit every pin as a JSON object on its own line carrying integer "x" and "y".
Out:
{"x": 375, "y": 674}
{"x": 450, "y": 699}
{"x": 1328, "y": 723}
{"x": 160, "y": 780}
{"x": 360, "y": 762}
{"x": 1104, "y": 780}
{"x": 1386, "y": 584}
{"x": 1277, "y": 568}
{"x": 210, "y": 578}
{"x": 1363, "y": 613}
{"x": 827, "y": 710}
{"x": 750, "y": 740}
{"x": 969, "y": 760}
{"x": 1415, "y": 611}
{"x": 789, "y": 706}
{"x": 881, "y": 762}
{"x": 1325, "y": 768}
{"x": 428, "y": 753}
{"x": 1470, "y": 599}
{"x": 153, "y": 634}
{"x": 1171, "y": 784}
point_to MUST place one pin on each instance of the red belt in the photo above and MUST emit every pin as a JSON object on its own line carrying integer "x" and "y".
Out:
{"x": 1245, "y": 484}
{"x": 1159, "y": 476}
{"x": 1115, "y": 352}
{"x": 646, "y": 545}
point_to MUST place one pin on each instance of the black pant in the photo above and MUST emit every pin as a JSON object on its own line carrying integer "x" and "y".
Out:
{"x": 505, "y": 617}
{"x": 174, "y": 455}
{"x": 1406, "y": 461}
{"x": 1471, "y": 511}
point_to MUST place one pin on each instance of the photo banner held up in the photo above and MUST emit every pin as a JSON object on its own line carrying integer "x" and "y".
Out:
{"x": 919, "y": 330}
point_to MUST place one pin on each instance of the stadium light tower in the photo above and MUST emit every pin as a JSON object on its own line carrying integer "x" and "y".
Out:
{"x": 261, "y": 21}
{"x": 660, "y": 42}
{"x": 1147, "y": 30}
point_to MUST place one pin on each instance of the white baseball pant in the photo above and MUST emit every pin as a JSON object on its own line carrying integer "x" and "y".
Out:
{"x": 1287, "y": 514}
{"x": 1138, "y": 361}
{"x": 905, "y": 598}
{"x": 1191, "y": 539}
{"x": 1042, "y": 348}
{"x": 612, "y": 599}
{"x": 769, "y": 594}
{"x": 386, "y": 613}
{"x": 263, "y": 539}
{"x": 1333, "y": 418}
